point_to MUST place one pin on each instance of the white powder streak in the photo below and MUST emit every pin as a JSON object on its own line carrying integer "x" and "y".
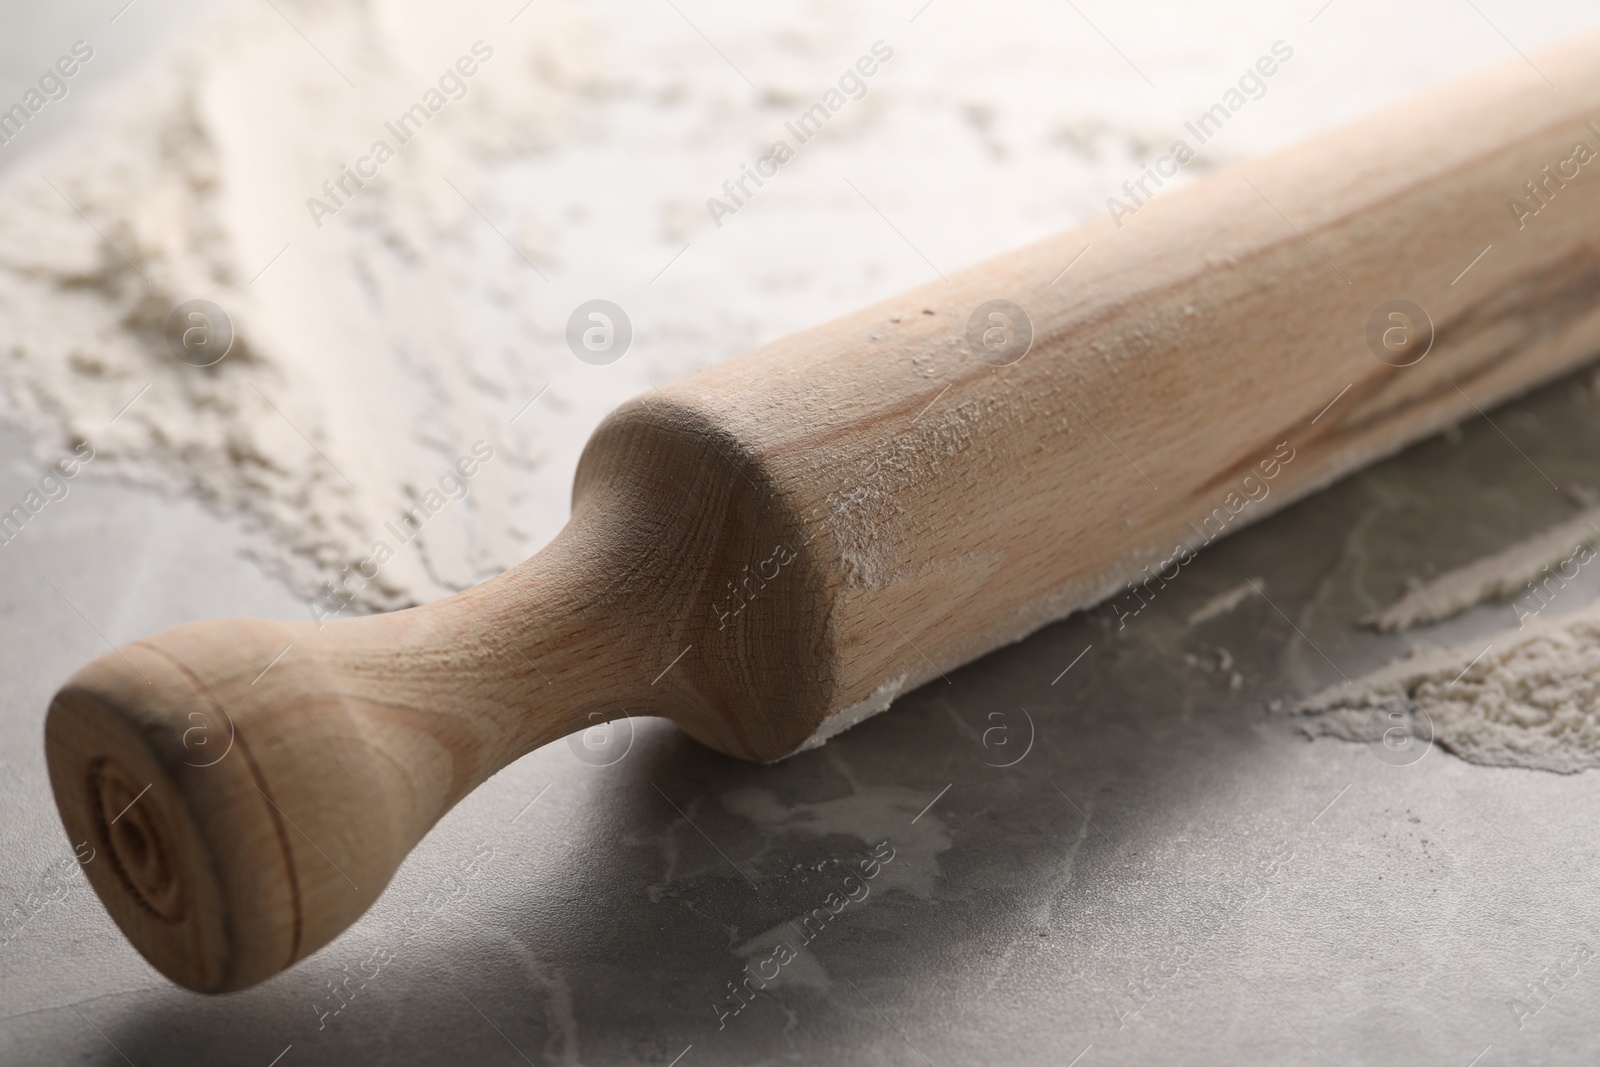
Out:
{"x": 1226, "y": 601}
{"x": 1503, "y": 574}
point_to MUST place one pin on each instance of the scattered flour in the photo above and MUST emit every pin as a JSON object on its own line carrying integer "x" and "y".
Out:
{"x": 1226, "y": 601}
{"x": 840, "y": 721}
{"x": 375, "y": 350}
{"x": 1507, "y": 572}
{"x": 1221, "y": 663}
{"x": 354, "y": 381}
{"x": 1532, "y": 699}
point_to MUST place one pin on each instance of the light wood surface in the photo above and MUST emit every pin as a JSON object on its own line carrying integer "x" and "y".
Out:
{"x": 773, "y": 548}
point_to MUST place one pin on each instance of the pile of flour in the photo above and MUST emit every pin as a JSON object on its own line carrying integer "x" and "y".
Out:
{"x": 1530, "y": 699}
{"x": 356, "y": 380}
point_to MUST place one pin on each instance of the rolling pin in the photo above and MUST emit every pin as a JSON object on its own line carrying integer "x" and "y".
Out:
{"x": 770, "y": 550}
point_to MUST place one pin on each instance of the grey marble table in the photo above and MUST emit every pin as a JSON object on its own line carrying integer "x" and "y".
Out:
{"x": 1167, "y": 871}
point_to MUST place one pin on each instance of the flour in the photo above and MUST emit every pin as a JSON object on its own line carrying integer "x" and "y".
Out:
{"x": 354, "y": 377}
{"x": 1532, "y": 699}
{"x": 429, "y": 306}
{"x": 864, "y": 510}
{"x": 1227, "y": 600}
{"x": 1548, "y": 557}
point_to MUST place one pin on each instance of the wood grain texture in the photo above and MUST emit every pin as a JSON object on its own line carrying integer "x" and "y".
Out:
{"x": 768, "y": 550}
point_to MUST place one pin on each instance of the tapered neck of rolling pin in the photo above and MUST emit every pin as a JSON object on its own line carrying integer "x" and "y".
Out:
{"x": 484, "y": 676}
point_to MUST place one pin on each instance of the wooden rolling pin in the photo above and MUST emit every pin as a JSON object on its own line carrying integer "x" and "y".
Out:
{"x": 770, "y": 550}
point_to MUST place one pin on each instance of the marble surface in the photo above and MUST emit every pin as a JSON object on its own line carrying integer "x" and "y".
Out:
{"x": 1166, "y": 871}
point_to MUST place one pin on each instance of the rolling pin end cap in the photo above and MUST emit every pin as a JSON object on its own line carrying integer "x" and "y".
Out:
{"x": 157, "y": 800}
